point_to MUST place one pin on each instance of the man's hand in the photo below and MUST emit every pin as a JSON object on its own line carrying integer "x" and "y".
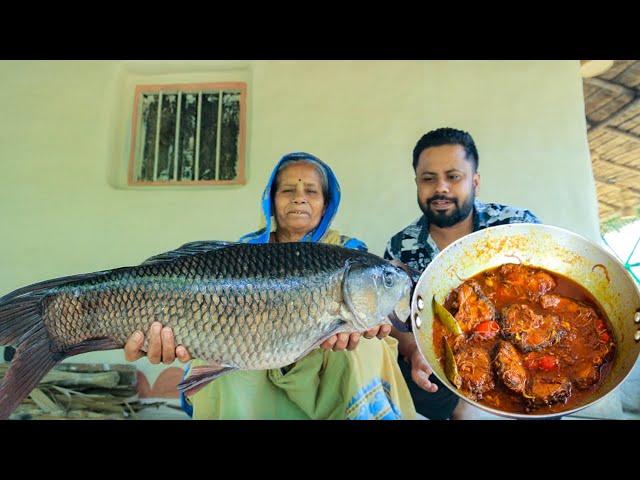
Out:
{"x": 341, "y": 341}
{"x": 161, "y": 347}
{"x": 420, "y": 372}
{"x": 420, "y": 369}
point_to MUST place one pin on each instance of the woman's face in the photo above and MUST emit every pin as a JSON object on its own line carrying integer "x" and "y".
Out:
{"x": 299, "y": 202}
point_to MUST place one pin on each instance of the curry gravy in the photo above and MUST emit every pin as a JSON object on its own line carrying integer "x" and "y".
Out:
{"x": 576, "y": 349}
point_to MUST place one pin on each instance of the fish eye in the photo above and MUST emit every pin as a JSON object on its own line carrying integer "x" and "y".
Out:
{"x": 387, "y": 278}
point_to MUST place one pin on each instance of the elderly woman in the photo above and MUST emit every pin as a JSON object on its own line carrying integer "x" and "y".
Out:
{"x": 359, "y": 379}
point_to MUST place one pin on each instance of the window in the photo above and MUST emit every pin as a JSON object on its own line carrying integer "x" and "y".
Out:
{"x": 188, "y": 134}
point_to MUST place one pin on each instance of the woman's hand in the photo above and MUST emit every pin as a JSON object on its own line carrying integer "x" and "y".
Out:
{"x": 348, "y": 341}
{"x": 161, "y": 347}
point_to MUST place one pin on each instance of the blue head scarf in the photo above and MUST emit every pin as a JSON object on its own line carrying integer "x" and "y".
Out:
{"x": 262, "y": 235}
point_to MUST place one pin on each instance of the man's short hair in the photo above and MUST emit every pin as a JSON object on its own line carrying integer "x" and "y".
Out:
{"x": 447, "y": 136}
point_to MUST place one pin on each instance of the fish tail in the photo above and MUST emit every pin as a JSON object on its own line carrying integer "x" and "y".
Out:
{"x": 32, "y": 360}
{"x": 21, "y": 325}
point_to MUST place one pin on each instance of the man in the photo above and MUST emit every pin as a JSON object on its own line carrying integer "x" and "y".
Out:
{"x": 445, "y": 162}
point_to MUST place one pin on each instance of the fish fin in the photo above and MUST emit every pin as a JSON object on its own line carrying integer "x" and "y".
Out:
{"x": 31, "y": 362}
{"x": 41, "y": 289}
{"x": 18, "y": 316}
{"x": 187, "y": 250}
{"x": 21, "y": 325}
{"x": 201, "y": 376}
{"x": 338, "y": 326}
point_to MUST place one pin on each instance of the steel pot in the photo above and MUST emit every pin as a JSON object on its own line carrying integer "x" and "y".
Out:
{"x": 553, "y": 249}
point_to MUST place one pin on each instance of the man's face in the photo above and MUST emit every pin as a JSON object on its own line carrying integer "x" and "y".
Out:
{"x": 446, "y": 184}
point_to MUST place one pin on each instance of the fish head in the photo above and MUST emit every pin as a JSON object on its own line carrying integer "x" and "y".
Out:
{"x": 373, "y": 290}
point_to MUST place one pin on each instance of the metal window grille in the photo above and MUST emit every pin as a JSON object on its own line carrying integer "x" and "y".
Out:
{"x": 188, "y": 136}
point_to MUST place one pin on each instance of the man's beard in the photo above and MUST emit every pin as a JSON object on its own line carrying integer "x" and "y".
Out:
{"x": 445, "y": 219}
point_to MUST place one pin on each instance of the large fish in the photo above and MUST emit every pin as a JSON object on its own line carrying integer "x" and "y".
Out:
{"x": 237, "y": 306}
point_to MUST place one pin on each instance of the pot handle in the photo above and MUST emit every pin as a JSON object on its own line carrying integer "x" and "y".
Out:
{"x": 636, "y": 319}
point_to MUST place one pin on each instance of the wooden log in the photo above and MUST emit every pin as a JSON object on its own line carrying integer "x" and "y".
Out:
{"x": 127, "y": 372}
{"x": 74, "y": 379}
{"x": 83, "y": 391}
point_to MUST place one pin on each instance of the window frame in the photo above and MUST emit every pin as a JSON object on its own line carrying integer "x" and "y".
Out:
{"x": 188, "y": 88}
